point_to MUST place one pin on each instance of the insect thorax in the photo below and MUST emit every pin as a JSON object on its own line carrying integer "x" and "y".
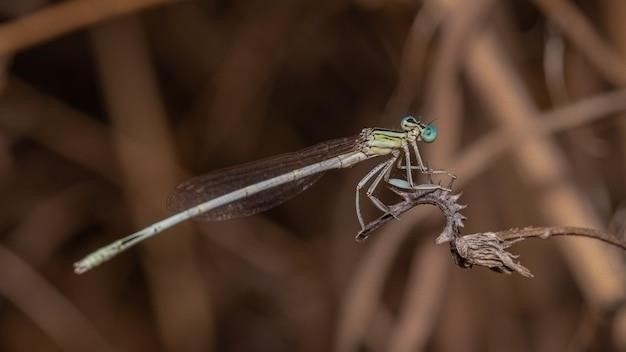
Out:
{"x": 379, "y": 141}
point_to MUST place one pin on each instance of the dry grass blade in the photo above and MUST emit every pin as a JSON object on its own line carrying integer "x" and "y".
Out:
{"x": 542, "y": 163}
{"x": 180, "y": 298}
{"x": 27, "y": 112}
{"x": 67, "y": 210}
{"x": 47, "y": 307}
{"x": 62, "y": 18}
{"x": 445, "y": 97}
{"x": 485, "y": 151}
{"x": 547, "y": 232}
{"x": 253, "y": 57}
{"x": 580, "y": 31}
{"x": 422, "y": 300}
{"x": 420, "y": 37}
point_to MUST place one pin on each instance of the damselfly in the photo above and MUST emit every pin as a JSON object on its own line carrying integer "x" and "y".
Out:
{"x": 257, "y": 186}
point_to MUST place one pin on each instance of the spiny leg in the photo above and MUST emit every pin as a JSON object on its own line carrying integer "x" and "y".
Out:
{"x": 400, "y": 183}
{"x": 408, "y": 167}
{"x": 430, "y": 172}
{"x": 427, "y": 170}
{"x": 383, "y": 174}
{"x": 409, "y": 171}
{"x": 360, "y": 185}
{"x": 418, "y": 157}
{"x": 429, "y": 177}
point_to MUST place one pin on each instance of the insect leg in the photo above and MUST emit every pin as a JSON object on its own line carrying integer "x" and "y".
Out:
{"x": 370, "y": 191}
{"x": 420, "y": 164}
{"x": 409, "y": 171}
{"x": 361, "y": 184}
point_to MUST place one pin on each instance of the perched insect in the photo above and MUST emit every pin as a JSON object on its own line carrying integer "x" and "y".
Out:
{"x": 260, "y": 185}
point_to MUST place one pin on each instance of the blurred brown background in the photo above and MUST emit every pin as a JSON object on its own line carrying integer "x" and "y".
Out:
{"x": 105, "y": 105}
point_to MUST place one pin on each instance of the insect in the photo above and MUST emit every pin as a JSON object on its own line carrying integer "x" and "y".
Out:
{"x": 257, "y": 186}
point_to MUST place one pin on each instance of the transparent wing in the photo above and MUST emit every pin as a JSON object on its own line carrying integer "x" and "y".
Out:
{"x": 203, "y": 188}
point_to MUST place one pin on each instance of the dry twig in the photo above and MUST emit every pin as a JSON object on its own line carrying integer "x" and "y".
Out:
{"x": 580, "y": 31}
{"x": 134, "y": 105}
{"x": 542, "y": 163}
{"x": 484, "y": 248}
{"x": 49, "y": 309}
{"x": 488, "y": 248}
{"x": 63, "y": 18}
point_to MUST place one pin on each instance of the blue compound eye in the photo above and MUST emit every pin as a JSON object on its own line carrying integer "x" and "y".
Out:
{"x": 429, "y": 133}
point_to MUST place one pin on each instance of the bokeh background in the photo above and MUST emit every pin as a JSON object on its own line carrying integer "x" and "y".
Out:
{"x": 105, "y": 105}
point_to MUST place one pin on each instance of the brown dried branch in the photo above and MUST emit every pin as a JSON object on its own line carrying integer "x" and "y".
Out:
{"x": 439, "y": 197}
{"x": 488, "y": 248}
{"x": 62, "y": 18}
{"x": 485, "y": 248}
{"x": 546, "y": 232}
{"x": 422, "y": 301}
{"x": 419, "y": 39}
{"x": 49, "y": 309}
{"x": 542, "y": 163}
{"x": 479, "y": 156}
{"x": 445, "y": 100}
{"x": 580, "y": 31}
{"x": 25, "y": 111}
{"x": 57, "y": 217}
{"x": 133, "y": 102}
{"x": 253, "y": 58}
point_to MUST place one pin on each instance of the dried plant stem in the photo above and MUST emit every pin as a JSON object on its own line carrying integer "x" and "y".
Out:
{"x": 363, "y": 293}
{"x": 25, "y": 111}
{"x": 180, "y": 299}
{"x": 546, "y": 232}
{"x": 445, "y": 96}
{"x": 49, "y": 309}
{"x": 542, "y": 164}
{"x": 477, "y": 158}
{"x": 420, "y": 37}
{"x": 489, "y": 248}
{"x": 614, "y": 13}
{"x": 62, "y": 18}
{"x": 422, "y": 300}
{"x": 485, "y": 248}
{"x": 59, "y": 216}
{"x": 579, "y": 30}
{"x": 253, "y": 57}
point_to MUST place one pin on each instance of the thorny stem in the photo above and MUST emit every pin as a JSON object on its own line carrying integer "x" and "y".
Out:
{"x": 545, "y": 232}
{"x": 484, "y": 248}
